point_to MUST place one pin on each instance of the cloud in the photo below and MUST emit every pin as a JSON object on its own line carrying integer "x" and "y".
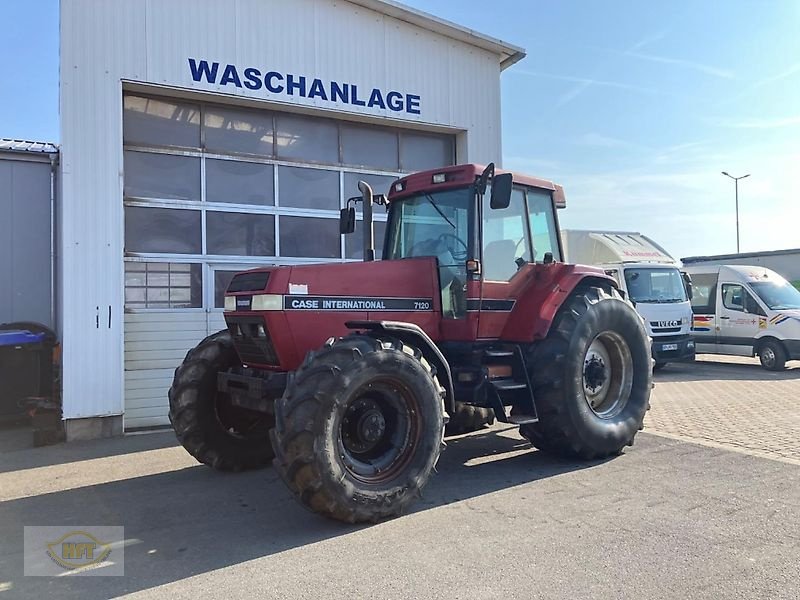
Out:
{"x": 695, "y": 66}
{"x": 762, "y": 123}
{"x": 597, "y": 140}
{"x": 795, "y": 68}
{"x": 584, "y": 83}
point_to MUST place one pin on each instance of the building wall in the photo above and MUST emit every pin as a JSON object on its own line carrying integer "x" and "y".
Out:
{"x": 108, "y": 45}
{"x": 25, "y": 236}
{"x": 785, "y": 264}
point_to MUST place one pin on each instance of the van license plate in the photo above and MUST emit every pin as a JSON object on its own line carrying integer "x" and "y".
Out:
{"x": 666, "y": 347}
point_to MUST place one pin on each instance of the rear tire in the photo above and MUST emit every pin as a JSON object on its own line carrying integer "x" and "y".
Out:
{"x": 468, "y": 418}
{"x": 772, "y": 355}
{"x": 216, "y": 433}
{"x": 591, "y": 377}
{"x": 359, "y": 428}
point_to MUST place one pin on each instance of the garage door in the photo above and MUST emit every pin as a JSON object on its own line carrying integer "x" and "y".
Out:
{"x": 213, "y": 189}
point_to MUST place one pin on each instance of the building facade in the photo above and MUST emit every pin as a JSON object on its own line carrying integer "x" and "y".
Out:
{"x": 784, "y": 262}
{"x": 203, "y": 137}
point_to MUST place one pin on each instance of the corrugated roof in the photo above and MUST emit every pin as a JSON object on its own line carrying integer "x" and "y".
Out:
{"x": 7, "y": 145}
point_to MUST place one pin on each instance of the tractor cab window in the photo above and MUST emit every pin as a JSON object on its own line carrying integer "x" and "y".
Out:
{"x": 505, "y": 238}
{"x": 436, "y": 224}
{"x": 543, "y": 224}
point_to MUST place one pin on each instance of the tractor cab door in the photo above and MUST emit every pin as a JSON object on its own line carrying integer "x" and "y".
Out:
{"x": 506, "y": 256}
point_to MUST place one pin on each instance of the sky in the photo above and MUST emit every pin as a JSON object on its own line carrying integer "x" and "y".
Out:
{"x": 634, "y": 107}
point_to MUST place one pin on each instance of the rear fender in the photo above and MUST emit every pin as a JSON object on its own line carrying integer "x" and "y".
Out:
{"x": 538, "y": 304}
{"x": 413, "y": 335}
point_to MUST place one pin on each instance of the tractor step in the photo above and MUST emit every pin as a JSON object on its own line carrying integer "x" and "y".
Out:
{"x": 506, "y": 384}
{"x": 498, "y": 353}
{"x": 522, "y": 419}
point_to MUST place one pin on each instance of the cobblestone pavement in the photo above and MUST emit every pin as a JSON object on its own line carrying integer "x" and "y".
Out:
{"x": 732, "y": 403}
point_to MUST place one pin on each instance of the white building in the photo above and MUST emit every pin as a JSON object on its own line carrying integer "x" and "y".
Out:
{"x": 202, "y": 137}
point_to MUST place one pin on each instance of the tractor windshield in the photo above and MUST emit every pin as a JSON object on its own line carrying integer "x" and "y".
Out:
{"x": 435, "y": 224}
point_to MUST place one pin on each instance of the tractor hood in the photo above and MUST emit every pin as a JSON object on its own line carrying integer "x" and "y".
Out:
{"x": 302, "y": 306}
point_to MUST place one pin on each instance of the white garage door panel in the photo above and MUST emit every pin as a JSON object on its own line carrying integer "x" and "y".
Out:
{"x": 158, "y": 336}
{"x": 142, "y": 399}
{"x": 150, "y": 363}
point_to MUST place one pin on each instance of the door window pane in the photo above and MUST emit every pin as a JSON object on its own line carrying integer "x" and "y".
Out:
{"x": 163, "y": 285}
{"x": 309, "y": 237}
{"x": 369, "y": 147}
{"x": 419, "y": 151}
{"x": 149, "y": 175}
{"x": 543, "y": 225}
{"x": 238, "y": 130}
{"x": 165, "y": 230}
{"x": 308, "y": 188}
{"x": 380, "y": 185}
{"x": 240, "y": 234}
{"x": 307, "y": 138}
{"x": 354, "y": 242}
{"x": 160, "y": 122}
{"x": 733, "y": 296}
{"x": 505, "y": 238}
{"x": 239, "y": 182}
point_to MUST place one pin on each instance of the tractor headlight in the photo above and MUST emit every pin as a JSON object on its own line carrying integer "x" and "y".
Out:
{"x": 267, "y": 302}
{"x": 230, "y": 303}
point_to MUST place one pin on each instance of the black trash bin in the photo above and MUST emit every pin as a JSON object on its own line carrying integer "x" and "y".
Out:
{"x": 26, "y": 369}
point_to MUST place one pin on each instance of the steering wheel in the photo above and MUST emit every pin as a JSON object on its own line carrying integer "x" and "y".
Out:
{"x": 457, "y": 254}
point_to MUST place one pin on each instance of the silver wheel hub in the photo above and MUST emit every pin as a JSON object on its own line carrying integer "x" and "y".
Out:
{"x": 607, "y": 374}
{"x": 768, "y": 355}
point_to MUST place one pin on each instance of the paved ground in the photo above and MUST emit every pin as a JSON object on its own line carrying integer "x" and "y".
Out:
{"x": 668, "y": 519}
{"x": 731, "y": 402}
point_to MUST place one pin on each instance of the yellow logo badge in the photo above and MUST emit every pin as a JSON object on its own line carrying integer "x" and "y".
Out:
{"x": 78, "y": 549}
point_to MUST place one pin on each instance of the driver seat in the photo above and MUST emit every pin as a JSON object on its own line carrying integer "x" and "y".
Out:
{"x": 498, "y": 260}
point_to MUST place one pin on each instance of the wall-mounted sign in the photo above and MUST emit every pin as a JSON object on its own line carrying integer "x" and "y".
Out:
{"x": 290, "y": 84}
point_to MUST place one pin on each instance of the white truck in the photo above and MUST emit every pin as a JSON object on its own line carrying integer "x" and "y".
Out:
{"x": 650, "y": 278}
{"x": 746, "y": 311}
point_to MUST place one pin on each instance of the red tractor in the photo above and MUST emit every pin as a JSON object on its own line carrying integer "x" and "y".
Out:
{"x": 345, "y": 375}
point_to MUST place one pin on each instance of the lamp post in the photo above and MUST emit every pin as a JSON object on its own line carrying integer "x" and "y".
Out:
{"x": 736, "y": 183}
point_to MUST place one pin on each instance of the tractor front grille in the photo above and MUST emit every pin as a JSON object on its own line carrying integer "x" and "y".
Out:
{"x": 252, "y": 341}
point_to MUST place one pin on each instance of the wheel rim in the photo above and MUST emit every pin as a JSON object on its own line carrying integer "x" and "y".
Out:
{"x": 768, "y": 356}
{"x": 607, "y": 374}
{"x": 378, "y": 430}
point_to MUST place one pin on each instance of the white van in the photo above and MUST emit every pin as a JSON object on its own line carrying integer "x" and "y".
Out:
{"x": 649, "y": 277}
{"x": 745, "y": 311}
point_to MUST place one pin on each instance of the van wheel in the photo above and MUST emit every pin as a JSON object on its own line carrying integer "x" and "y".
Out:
{"x": 772, "y": 355}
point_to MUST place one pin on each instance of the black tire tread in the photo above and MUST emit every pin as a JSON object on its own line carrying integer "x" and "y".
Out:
{"x": 186, "y": 404}
{"x": 555, "y": 432}
{"x": 296, "y": 430}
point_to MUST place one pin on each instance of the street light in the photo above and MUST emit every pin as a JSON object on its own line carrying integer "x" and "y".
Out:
{"x": 736, "y": 182}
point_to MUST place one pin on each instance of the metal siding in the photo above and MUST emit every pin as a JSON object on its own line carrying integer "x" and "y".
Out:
{"x": 25, "y": 233}
{"x": 105, "y": 43}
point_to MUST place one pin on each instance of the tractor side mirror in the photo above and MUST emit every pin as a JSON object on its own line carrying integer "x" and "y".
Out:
{"x": 501, "y": 191}
{"x": 347, "y": 220}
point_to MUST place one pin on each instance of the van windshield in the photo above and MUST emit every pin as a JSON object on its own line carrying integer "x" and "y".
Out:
{"x": 655, "y": 285}
{"x": 777, "y": 296}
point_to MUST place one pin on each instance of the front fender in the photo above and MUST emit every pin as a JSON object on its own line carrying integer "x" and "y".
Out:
{"x": 538, "y": 303}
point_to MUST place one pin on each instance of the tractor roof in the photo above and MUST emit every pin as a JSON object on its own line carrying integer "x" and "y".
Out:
{"x": 461, "y": 175}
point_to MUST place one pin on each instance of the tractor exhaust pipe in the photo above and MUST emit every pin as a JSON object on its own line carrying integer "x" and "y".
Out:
{"x": 369, "y": 229}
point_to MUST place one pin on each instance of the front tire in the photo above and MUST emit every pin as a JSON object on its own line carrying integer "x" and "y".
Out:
{"x": 359, "y": 428}
{"x": 216, "y": 433}
{"x": 772, "y": 355}
{"x": 591, "y": 377}
{"x": 659, "y": 365}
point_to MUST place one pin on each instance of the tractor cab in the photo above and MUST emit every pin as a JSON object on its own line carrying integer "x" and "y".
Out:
{"x": 485, "y": 228}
